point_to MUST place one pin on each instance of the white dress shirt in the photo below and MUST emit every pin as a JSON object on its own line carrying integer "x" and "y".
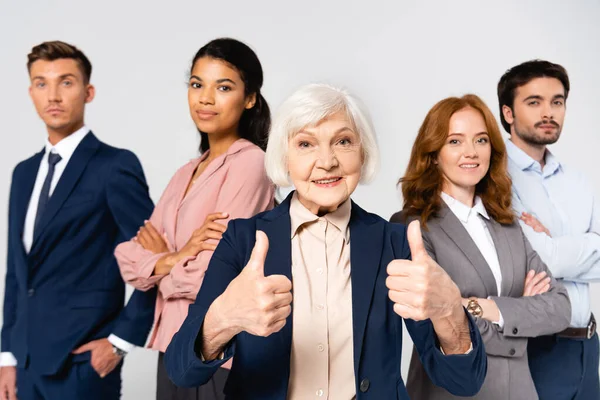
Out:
{"x": 471, "y": 219}
{"x": 65, "y": 148}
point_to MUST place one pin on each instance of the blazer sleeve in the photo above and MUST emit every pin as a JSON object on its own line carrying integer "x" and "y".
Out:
{"x": 459, "y": 374}
{"x": 136, "y": 263}
{"x": 245, "y": 192}
{"x": 10, "y": 286}
{"x": 535, "y": 315}
{"x": 130, "y": 204}
{"x": 496, "y": 344}
{"x": 182, "y": 359}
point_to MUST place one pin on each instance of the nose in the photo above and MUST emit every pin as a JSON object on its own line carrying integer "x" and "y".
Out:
{"x": 206, "y": 96}
{"x": 470, "y": 151}
{"x": 54, "y": 94}
{"x": 547, "y": 112}
{"x": 327, "y": 158}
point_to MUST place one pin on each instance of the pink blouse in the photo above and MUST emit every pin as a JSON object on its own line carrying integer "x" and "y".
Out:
{"x": 235, "y": 183}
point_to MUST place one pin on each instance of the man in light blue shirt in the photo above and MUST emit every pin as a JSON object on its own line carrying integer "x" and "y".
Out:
{"x": 559, "y": 215}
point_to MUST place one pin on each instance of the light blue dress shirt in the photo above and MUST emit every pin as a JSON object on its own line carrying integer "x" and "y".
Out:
{"x": 563, "y": 201}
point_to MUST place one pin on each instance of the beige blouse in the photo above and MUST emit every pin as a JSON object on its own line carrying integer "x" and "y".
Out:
{"x": 322, "y": 360}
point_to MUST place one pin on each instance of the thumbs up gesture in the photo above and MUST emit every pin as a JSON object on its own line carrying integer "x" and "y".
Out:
{"x": 256, "y": 303}
{"x": 420, "y": 288}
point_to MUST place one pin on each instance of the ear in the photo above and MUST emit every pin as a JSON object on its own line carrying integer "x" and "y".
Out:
{"x": 90, "y": 93}
{"x": 250, "y": 101}
{"x": 508, "y": 115}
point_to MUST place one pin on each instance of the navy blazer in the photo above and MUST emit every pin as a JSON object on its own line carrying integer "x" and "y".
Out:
{"x": 68, "y": 290}
{"x": 261, "y": 366}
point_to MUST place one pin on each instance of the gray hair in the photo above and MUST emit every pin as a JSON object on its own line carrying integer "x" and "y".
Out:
{"x": 307, "y": 107}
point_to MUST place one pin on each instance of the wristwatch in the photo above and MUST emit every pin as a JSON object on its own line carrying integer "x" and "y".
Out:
{"x": 119, "y": 352}
{"x": 474, "y": 308}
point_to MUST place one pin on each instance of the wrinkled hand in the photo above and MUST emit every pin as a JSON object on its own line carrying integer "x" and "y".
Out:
{"x": 103, "y": 359}
{"x": 256, "y": 303}
{"x": 421, "y": 289}
{"x": 536, "y": 283}
{"x": 8, "y": 383}
{"x": 201, "y": 238}
{"x": 534, "y": 223}
{"x": 149, "y": 238}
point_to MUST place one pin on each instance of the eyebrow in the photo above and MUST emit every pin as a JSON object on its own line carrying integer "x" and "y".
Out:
{"x": 538, "y": 97}
{"x": 462, "y": 134}
{"x": 342, "y": 129}
{"x": 222, "y": 80}
{"x": 69, "y": 75}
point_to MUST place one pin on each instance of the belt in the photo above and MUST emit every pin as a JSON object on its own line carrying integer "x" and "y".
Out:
{"x": 580, "y": 333}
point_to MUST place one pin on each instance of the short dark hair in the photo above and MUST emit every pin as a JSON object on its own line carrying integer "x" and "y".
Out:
{"x": 255, "y": 122}
{"x": 55, "y": 50}
{"x": 523, "y": 74}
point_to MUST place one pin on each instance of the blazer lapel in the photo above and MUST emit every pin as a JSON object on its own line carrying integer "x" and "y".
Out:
{"x": 26, "y": 181}
{"x": 459, "y": 235}
{"x": 277, "y": 225}
{"x": 500, "y": 239}
{"x": 85, "y": 150}
{"x": 366, "y": 243}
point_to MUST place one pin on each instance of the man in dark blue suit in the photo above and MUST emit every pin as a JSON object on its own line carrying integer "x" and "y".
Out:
{"x": 65, "y": 328}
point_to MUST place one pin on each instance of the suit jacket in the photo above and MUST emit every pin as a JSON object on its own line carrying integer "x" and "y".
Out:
{"x": 261, "y": 366}
{"x": 68, "y": 290}
{"x": 448, "y": 242}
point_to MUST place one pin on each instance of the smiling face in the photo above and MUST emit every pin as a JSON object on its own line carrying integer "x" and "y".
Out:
{"x": 216, "y": 97}
{"x": 325, "y": 162}
{"x": 59, "y": 92}
{"x": 465, "y": 157}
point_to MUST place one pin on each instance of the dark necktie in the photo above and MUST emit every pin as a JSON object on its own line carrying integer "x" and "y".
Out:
{"x": 53, "y": 159}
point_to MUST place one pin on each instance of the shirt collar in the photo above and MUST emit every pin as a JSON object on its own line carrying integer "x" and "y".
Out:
{"x": 66, "y": 147}
{"x": 526, "y": 162}
{"x": 300, "y": 215}
{"x": 462, "y": 211}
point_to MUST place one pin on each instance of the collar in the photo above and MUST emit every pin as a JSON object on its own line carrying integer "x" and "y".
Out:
{"x": 66, "y": 147}
{"x": 300, "y": 215}
{"x": 525, "y": 162}
{"x": 462, "y": 211}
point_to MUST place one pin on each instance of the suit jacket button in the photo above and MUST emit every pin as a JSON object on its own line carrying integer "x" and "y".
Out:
{"x": 364, "y": 385}
{"x": 512, "y": 352}
{"x": 515, "y": 331}
{"x": 30, "y": 292}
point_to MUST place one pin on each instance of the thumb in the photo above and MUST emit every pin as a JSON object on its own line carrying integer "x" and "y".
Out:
{"x": 259, "y": 253}
{"x": 415, "y": 241}
{"x": 82, "y": 349}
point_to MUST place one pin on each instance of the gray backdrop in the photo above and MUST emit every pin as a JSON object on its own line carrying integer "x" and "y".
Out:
{"x": 399, "y": 56}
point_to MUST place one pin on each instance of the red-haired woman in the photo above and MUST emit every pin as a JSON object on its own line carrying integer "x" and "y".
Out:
{"x": 457, "y": 185}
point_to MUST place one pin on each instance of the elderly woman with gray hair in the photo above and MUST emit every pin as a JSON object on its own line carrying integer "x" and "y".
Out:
{"x": 309, "y": 298}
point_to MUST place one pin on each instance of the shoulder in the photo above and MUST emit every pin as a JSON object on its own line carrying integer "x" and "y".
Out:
{"x": 248, "y": 155}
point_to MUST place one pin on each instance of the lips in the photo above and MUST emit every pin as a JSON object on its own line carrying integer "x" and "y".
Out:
{"x": 327, "y": 181}
{"x": 469, "y": 166}
{"x": 205, "y": 114}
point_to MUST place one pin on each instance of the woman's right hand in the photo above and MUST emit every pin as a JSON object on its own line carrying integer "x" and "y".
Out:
{"x": 536, "y": 283}
{"x": 252, "y": 303}
{"x": 534, "y": 223}
{"x": 198, "y": 242}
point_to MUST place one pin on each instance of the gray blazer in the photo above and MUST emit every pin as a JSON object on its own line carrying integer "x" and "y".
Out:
{"x": 508, "y": 376}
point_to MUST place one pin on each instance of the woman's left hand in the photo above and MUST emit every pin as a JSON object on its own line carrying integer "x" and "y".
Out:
{"x": 149, "y": 238}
